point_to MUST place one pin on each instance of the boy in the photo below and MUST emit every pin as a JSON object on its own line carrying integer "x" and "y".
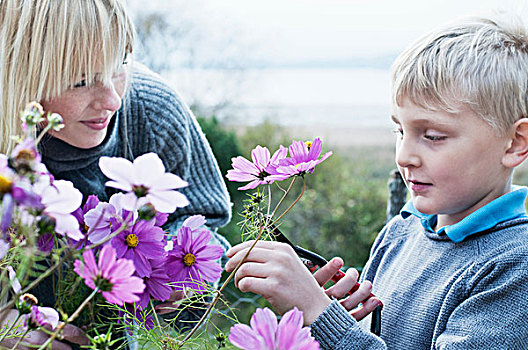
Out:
{"x": 452, "y": 269}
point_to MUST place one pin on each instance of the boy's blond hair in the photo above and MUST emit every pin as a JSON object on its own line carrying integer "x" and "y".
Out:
{"x": 47, "y": 46}
{"x": 478, "y": 62}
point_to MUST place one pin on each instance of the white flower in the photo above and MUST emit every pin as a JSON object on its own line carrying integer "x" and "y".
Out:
{"x": 146, "y": 177}
{"x": 60, "y": 199}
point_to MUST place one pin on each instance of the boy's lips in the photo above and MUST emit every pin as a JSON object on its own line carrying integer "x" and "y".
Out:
{"x": 418, "y": 186}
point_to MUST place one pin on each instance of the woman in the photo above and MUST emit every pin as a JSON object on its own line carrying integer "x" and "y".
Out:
{"x": 75, "y": 58}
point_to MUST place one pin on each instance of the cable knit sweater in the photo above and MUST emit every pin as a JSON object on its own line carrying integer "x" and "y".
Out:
{"x": 153, "y": 119}
{"x": 439, "y": 294}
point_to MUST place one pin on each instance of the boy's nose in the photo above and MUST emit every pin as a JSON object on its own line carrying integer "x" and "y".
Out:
{"x": 107, "y": 98}
{"x": 406, "y": 154}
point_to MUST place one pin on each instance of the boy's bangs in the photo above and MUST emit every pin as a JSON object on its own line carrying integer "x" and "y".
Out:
{"x": 89, "y": 44}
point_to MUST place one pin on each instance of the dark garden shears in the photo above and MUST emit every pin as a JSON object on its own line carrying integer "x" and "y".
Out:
{"x": 314, "y": 261}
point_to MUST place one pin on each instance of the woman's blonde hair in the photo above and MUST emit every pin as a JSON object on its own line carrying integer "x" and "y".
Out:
{"x": 478, "y": 62}
{"x": 47, "y": 46}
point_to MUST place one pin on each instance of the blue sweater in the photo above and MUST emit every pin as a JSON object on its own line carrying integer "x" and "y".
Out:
{"x": 439, "y": 294}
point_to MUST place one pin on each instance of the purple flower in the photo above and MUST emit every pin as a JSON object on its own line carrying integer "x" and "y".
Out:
{"x": 6, "y": 212}
{"x": 193, "y": 260}
{"x": 303, "y": 157}
{"x": 112, "y": 276}
{"x": 146, "y": 177}
{"x": 261, "y": 171}
{"x": 266, "y": 334}
{"x": 40, "y": 317}
{"x": 98, "y": 221}
{"x": 143, "y": 242}
{"x": 135, "y": 316}
{"x": 157, "y": 284}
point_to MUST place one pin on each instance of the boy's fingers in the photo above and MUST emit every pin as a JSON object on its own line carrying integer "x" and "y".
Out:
{"x": 250, "y": 269}
{"x": 325, "y": 273}
{"x": 365, "y": 309}
{"x": 256, "y": 255}
{"x": 358, "y": 296}
{"x": 247, "y": 244}
{"x": 344, "y": 285}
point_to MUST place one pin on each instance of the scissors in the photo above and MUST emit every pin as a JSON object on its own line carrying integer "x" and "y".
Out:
{"x": 313, "y": 261}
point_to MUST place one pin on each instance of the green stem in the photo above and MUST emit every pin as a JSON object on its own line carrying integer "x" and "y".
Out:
{"x": 10, "y": 328}
{"x": 219, "y": 291}
{"x": 70, "y": 319}
{"x": 283, "y": 197}
{"x": 42, "y": 133}
{"x": 295, "y": 202}
{"x": 156, "y": 316}
{"x": 20, "y": 339}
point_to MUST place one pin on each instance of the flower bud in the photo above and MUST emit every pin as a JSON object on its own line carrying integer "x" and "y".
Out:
{"x": 46, "y": 224}
{"x": 25, "y": 302}
{"x": 55, "y": 121}
{"x": 147, "y": 212}
{"x": 32, "y": 114}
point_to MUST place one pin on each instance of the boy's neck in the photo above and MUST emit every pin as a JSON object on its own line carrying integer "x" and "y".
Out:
{"x": 451, "y": 219}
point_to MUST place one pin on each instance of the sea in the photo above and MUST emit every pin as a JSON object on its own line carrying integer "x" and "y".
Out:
{"x": 335, "y": 98}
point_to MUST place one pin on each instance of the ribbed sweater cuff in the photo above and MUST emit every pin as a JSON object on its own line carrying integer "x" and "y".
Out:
{"x": 329, "y": 327}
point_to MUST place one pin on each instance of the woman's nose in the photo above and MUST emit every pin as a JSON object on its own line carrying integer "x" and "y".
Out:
{"x": 107, "y": 97}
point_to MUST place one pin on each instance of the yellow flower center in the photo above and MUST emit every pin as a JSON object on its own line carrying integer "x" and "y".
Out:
{"x": 132, "y": 240}
{"x": 189, "y": 259}
{"x": 309, "y": 144}
{"x": 5, "y": 184}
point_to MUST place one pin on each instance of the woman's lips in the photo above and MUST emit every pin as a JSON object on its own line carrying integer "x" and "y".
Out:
{"x": 97, "y": 124}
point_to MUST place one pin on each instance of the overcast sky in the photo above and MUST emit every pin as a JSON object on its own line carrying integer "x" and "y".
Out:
{"x": 290, "y": 29}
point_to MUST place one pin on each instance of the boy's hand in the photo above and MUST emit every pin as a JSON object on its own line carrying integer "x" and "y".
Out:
{"x": 274, "y": 271}
{"x": 339, "y": 290}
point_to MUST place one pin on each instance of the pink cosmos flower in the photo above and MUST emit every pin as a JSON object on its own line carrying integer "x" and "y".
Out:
{"x": 142, "y": 242}
{"x": 112, "y": 276}
{"x": 261, "y": 171}
{"x": 192, "y": 260}
{"x": 145, "y": 178}
{"x": 60, "y": 199}
{"x": 303, "y": 157}
{"x": 266, "y": 334}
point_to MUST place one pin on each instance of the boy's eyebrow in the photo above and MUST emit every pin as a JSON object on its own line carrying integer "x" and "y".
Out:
{"x": 394, "y": 119}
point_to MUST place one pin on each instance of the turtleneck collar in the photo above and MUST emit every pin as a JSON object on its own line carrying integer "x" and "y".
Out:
{"x": 60, "y": 156}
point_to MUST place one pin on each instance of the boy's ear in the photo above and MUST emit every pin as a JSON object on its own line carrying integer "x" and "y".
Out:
{"x": 518, "y": 148}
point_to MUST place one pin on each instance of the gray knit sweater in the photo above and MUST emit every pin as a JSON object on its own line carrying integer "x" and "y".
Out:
{"x": 439, "y": 294}
{"x": 153, "y": 119}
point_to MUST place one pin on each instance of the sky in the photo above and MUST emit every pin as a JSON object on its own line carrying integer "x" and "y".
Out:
{"x": 323, "y": 57}
{"x": 293, "y": 30}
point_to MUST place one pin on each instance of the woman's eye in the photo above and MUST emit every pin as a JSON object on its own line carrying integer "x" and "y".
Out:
{"x": 435, "y": 137}
{"x": 82, "y": 83}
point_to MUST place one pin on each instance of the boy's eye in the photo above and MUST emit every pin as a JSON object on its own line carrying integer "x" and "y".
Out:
{"x": 82, "y": 83}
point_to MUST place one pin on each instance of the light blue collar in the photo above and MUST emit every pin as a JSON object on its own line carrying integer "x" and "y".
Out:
{"x": 507, "y": 207}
